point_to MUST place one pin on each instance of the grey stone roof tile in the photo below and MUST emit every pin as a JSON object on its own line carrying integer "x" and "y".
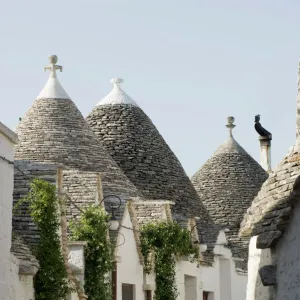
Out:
{"x": 227, "y": 183}
{"x": 133, "y": 141}
{"x": 22, "y": 251}
{"x": 54, "y": 131}
{"x": 271, "y": 209}
{"x": 80, "y": 186}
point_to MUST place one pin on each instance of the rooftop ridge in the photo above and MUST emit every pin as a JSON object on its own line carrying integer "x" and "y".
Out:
{"x": 117, "y": 95}
{"x": 230, "y": 146}
{"x": 53, "y": 89}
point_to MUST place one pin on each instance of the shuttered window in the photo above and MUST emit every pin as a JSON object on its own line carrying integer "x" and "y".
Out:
{"x": 127, "y": 292}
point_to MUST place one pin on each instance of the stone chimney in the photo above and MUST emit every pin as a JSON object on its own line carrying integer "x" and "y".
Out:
{"x": 265, "y": 152}
{"x": 265, "y": 144}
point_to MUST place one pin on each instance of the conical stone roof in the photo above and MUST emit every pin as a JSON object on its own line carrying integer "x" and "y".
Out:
{"x": 135, "y": 144}
{"x": 227, "y": 183}
{"x": 54, "y": 131}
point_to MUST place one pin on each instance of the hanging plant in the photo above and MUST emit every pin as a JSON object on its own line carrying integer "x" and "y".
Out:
{"x": 92, "y": 227}
{"x": 166, "y": 242}
{"x": 51, "y": 281}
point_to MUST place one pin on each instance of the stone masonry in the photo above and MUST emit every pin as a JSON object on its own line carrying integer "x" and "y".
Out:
{"x": 135, "y": 144}
{"x": 227, "y": 183}
{"x": 54, "y": 131}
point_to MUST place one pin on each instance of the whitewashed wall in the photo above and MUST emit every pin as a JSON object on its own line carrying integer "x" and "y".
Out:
{"x": 6, "y": 192}
{"x": 188, "y": 281}
{"x": 222, "y": 280}
{"x": 130, "y": 271}
{"x": 20, "y": 286}
{"x": 257, "y": 259}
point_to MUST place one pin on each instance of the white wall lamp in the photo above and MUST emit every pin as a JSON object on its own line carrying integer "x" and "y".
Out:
{"x": 202, "y": 245}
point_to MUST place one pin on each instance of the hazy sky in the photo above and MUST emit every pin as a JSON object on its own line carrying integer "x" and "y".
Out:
{"x": 188, "y": 64}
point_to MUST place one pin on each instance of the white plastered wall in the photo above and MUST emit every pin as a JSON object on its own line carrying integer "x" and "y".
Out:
{"x": 6, "y": 191}
{"x": 187, "y": 268}
{"x": 257, "y": 259}
{"x": 20, "y": 286}
{"x": 130, "y": 270}
{"x": 214, "y": 283}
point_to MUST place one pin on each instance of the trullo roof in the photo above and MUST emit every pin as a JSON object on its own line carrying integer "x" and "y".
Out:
{"x": 227, "y": 183}
{"x": 54, "y": 131}
{"x": 135, "y": 144}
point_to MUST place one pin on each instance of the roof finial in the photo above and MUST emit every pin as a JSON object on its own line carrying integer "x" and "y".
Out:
{"x": 53, "y": 66}
{"x": 230, "y": 125}
{"x": 116, "y": 81}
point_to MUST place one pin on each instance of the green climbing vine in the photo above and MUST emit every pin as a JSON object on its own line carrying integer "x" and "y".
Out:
{"x": 51, "y": 281}
{"x": 165, "y": 242}
{"x": 92, "y": 227}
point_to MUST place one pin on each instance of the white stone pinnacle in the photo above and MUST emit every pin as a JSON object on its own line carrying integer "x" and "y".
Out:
{"x": 230, "y": 125}
{"x": 117, "y": 95}
{"x": 53, "y": 89}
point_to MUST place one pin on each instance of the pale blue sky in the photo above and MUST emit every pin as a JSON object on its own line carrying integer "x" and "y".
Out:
{"x": 188, "y": 64}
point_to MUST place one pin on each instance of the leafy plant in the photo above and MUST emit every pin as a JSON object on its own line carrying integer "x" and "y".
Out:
{"x": 51, "y": 281}
{"x": 93, "y": 227}
{"x": 165, "y": 242}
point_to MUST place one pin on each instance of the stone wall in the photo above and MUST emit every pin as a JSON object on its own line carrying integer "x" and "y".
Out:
{"x": 288, "y": 260}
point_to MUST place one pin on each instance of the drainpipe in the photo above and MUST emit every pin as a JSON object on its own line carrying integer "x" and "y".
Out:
{"x": 114, "y": 280}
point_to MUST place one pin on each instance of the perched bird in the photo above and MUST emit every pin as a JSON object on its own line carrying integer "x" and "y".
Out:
{"x": 260, "y": 130}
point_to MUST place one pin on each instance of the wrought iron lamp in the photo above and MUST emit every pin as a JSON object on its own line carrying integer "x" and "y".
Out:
{"x": 114, "y": 203}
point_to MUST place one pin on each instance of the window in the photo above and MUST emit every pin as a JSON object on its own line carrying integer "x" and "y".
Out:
{"x": 148, "y": 295}
{"x": 127, "y": 291}
{"x": 208, "y": 296}
{"x": 190, "y": 287}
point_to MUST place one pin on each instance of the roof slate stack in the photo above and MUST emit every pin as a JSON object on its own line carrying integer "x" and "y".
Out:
{"x": 271, "y": 209}
{"x": 22, "y": 222}
{"x": 54, "y": 131}
{"x": 227, "y": 183}
{"x": 269, "y": 214}
{"x": 24, "y": 254}
{"x": 135, "y": 144}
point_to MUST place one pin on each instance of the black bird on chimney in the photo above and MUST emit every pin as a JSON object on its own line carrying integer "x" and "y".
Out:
{"x": 260, "y": 130}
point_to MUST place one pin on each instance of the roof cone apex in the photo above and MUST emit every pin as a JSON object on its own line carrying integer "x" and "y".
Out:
{"x": 53, "y": 89}
{"x": 117, "y": 95}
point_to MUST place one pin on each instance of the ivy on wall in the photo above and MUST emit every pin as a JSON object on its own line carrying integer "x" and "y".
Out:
{"x": 162, "y": 243}
{"x": 51, "y": 281}
{"x": 93, "y": 227}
